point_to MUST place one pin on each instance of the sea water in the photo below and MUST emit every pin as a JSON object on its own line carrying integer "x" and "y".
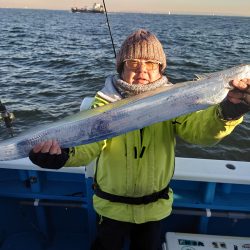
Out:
{"x": 51, "y": 60}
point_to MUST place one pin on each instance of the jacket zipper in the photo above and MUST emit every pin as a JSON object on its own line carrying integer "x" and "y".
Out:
{"x": 143, "y": 148}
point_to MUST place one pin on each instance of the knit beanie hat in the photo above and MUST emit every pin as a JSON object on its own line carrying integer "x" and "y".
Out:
{"x": 141, "y": 45}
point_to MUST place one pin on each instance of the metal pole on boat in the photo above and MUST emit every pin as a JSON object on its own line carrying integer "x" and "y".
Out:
{"x": 175, "y": 211}
{"x": 38, "y": 202}
{"x": 209, "y": 213}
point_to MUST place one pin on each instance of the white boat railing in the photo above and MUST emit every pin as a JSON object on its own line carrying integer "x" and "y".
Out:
{"x": 189, "y": 169}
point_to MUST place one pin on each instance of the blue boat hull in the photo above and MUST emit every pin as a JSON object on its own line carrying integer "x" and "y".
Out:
{"x": 53, "y": 210}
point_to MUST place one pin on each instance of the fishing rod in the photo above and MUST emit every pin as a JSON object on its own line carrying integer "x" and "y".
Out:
{"x": 7, "y": 118}
{"x": 106, "y": 13}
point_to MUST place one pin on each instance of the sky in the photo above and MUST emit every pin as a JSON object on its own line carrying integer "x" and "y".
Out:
{"x": 226, "y": 7}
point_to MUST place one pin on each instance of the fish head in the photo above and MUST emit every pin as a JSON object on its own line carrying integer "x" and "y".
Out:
{"x": 247, "y": 71}
{"x": 238, "y": 72}
{"x": 235, "y": 73}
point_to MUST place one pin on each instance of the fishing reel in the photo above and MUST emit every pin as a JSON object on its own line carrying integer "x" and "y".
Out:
{"x": 7, "y": 118}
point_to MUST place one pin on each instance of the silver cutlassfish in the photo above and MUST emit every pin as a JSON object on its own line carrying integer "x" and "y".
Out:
{"x": 128, "y": 114}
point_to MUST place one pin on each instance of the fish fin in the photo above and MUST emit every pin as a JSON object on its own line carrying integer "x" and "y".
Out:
{"x": 203, "y": 76}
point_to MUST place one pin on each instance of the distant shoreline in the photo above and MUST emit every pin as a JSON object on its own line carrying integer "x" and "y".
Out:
{"x": 150, "y": 13}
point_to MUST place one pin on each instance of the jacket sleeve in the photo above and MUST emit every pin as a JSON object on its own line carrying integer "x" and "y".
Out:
{"x": 84, "y": 154}
{"x": 204, "y": 127}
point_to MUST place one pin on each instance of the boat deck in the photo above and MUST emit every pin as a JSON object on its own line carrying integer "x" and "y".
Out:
{"x": 53, "y": 210}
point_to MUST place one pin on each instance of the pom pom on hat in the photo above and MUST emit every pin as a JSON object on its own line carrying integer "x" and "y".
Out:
{"x": 141, "y": 45}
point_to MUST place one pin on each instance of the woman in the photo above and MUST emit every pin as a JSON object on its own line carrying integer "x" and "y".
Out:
{"x": 133, "y": 170}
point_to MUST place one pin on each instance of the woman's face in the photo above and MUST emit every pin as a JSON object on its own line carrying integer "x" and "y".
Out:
{"x": 139, "y": 71}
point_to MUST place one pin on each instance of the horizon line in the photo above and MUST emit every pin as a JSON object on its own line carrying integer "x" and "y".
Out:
{"x": 146, "y": 12}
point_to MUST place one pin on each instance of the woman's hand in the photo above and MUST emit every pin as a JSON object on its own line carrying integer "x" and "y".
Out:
{"x": 241, "y": 91}
{"x": 237, "y": 102}
{"x": 49, "y": 154}
{"x": 51, "y": 146}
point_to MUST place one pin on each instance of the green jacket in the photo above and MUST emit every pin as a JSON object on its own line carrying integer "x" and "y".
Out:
{"x": 123, "y": 173}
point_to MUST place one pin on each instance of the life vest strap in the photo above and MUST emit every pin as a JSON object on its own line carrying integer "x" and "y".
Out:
{"x": 163, "y": 194}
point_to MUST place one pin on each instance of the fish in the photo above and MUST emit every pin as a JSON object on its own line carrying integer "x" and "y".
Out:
{"x": 128, "y": 114}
